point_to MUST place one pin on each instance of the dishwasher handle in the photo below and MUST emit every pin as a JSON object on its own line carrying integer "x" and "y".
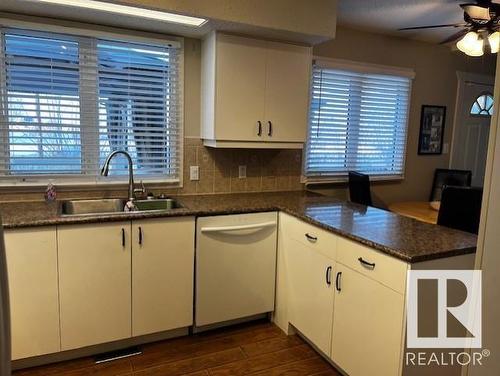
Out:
{"x": 239, "y": 227}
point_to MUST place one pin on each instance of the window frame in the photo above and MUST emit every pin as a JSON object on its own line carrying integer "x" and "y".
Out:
{"x": 480, "y": 115}
{"x": 75, "y": 33}
{"x": 366, "y": 68}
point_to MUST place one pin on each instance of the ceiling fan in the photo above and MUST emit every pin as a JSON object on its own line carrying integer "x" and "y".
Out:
{"x": 479, "y": 32}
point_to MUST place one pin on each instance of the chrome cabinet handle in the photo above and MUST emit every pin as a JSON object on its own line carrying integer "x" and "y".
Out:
{"x": 270, "y": 132}
{"x": 259, "y": 133}
{"x": 239, "y": 227}
{"x": 328, "y": 276}
{"x": 366, "y": 263}
{"x": 123, "y": 237}
{"x": 312, "y": 239}
{"x": 140, "y": 235}
{"x": 337, "y": 281}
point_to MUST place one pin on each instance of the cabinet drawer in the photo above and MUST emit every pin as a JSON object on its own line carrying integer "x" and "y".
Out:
{"x": 374, "y": 264}
{"x": 309, "y": 235}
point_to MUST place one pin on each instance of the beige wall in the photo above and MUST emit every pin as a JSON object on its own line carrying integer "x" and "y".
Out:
{"x": 435, "y": 83}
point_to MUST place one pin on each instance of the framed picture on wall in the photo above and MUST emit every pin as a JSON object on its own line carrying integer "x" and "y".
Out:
{"x": 432, "y": 120}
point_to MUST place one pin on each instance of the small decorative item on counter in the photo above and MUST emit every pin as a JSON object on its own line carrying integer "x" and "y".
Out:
{"x": 129, "y": 206}
{"x": 50, "y": 192}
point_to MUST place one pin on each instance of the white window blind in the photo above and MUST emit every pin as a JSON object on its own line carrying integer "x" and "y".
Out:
{"x": 67, "y": 102}
{"x": 357, "y": 122}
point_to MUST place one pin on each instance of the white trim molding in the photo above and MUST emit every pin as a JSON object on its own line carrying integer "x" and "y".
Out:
{"x": 361, "y": 67}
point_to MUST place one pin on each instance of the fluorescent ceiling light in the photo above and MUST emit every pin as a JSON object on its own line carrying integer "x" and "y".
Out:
{"x": 129, "y": 11}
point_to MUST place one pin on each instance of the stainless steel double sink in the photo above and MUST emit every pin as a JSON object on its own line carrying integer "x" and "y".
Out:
{"x": 115, "y": 206}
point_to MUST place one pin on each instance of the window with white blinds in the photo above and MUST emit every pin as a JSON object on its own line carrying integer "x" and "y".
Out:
{"x": 66, "y": 102}
{"x": 357, "y": 122}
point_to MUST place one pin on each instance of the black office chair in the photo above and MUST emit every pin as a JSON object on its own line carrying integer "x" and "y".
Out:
{"x": 359, "y": 188}
{"x": 461, "y": 208}
{"x": 442, "y": 177}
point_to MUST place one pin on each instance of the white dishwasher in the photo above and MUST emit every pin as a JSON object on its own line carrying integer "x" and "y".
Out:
{"x": 235, "y": 266}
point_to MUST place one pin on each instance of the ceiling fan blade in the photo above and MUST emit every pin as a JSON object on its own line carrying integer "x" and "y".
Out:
{"x": 455, "y": 36}
{"x": 433, "y": 26}
{"x": 477, "y": 12}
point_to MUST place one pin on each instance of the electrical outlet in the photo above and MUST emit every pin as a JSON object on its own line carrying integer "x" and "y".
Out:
{"x": 242, "y": 172}
{"x": 194, "y": 172}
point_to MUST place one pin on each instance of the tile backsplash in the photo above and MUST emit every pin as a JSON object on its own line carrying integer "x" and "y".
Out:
{"x": 267, "y": 170}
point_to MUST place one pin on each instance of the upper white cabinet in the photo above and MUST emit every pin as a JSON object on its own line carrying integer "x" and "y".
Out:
{"x": 34, "y": 302}
{"x": 255, "y": 93}
{"x": 162, "y": 274}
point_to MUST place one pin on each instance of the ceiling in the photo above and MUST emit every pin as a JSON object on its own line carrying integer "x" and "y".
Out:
{"x": 386, "y": 16}
{"x": 24, "y": 10}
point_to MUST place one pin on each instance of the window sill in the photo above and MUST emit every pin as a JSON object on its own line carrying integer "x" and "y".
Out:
{"x": 33, "y": 183}
{"x": 345, "y": 179}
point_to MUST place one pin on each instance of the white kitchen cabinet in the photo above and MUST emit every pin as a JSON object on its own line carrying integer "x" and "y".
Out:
{"x": 287, "y": 92}
{"x": 162, "y": 274}
{"x": 310, "y": 293}
{"x": 94, "y": 283}
{"x": 34, "y": 303}
{"x": 255, "y": 93}
{"x": 367, "y": 336}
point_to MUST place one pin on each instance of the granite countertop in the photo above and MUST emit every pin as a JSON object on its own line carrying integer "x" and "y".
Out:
{"x": 405, "y": 238}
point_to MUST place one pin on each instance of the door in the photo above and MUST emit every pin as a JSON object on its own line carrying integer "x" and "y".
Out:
{"x": 240, "y": 89}
{"x": 34, "y": 301}
{"x": 367, "y": 336}
{"x": 94, "y": 283}
{"x": 235, "y": 266}
{"x": 162, "y": 274}
{"x": 5, "y": 345}
{"x": 287, "y": 92}
{"x": 310, "y": 293}
{"x": 472, "y": 125}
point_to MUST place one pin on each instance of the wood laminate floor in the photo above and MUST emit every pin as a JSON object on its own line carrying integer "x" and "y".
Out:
{"x": 258, "y": 349}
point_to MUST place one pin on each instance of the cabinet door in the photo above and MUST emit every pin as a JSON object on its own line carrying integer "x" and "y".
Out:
{"x": 94, "y": 283}
{"x": 367, "y": 327}
{"x": 287, "y": 92}
{"x": 34, "y": 301}
{"x": 240, "y": 88}
{"x": 310, "y": 293}
{"x": 162, "y": 274}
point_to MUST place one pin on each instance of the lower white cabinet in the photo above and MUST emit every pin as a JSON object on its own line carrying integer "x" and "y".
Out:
{"x": 81, "y": 285}
{"x": 345, "y": 298}
{"x": 34, "y": 303}
{"x": 367, "y": 335}
{"x": 310, "y": 293}
{"x": 162, "y": 274}
{"x": 125, "y": 279}
{"x": 94, "y": 283}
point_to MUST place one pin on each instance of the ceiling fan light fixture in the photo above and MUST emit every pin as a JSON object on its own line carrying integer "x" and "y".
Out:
{"x": 494, "y": 41}
{"x": 471, "y": 44}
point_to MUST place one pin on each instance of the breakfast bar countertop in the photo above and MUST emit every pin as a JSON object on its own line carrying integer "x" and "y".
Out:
{"x": 405, "y": 238}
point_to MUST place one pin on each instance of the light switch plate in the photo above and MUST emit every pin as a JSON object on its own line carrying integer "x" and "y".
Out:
{"x": 446, "y": 148}
{"x": 242, "y": 171}
{"x": 194, "y": 172}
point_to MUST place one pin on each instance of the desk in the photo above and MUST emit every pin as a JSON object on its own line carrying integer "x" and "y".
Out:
{"x": 420, "y": 210}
